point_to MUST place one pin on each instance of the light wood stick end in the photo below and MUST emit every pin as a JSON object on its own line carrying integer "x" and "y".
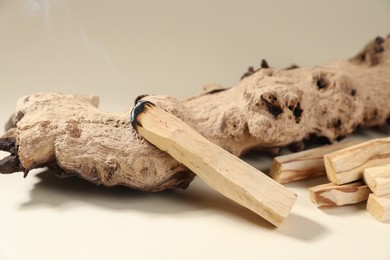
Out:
{"x": 379, "y": 207}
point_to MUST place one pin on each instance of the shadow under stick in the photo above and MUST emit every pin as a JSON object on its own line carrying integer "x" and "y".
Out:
{"x": 221, "y": 170}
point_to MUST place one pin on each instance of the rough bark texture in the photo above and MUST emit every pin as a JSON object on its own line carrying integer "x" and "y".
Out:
{"x": 269, "y": 108}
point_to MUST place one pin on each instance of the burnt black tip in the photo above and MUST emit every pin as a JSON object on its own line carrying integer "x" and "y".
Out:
{"x": 139, "y": 98}
{"x": 138, "y": 109}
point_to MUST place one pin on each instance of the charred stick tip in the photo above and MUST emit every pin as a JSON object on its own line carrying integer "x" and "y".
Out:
{"x": 137, "y": 110}
{"x": 137, "y": 99}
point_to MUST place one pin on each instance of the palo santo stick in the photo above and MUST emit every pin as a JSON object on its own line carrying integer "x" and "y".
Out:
{"x": 379, "y": 207}
{"x": 305, "y": 164}
{"x": 221, "y": 170}
{"x": 333, "y": 195}
{"x": 348, "y": 164}
{"x": 378, "y": 179}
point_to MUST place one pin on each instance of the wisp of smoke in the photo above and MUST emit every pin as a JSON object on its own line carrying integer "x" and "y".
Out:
{"x": 64, "y": 23}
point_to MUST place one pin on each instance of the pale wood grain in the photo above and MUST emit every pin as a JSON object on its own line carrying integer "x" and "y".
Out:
{"x": 305, "y": 164}
{"x": 378, "y": 179}
{"x": 348, "y": 164}
{"x": 220, "y": 169}
{"x": 379, "y": 207}
{"x": 337, "y": 195}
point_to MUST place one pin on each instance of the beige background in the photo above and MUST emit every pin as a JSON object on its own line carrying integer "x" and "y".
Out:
{"x": 120, "y": 49}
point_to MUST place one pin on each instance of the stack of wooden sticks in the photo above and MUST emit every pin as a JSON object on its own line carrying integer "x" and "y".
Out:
{"x": 357, "y": 171}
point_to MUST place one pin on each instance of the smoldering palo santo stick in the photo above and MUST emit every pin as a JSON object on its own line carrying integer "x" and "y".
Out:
{"x": 220, "y": 169}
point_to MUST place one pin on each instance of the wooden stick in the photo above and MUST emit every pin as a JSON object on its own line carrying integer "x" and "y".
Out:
{"x": 305, "y": 164}
{"x": 379, "y": 207}
{"x": 334, "y": 195}
{"x": 221, "y": 170}
{"x": 378, "y": 179}
{"x": 348, "y": 164}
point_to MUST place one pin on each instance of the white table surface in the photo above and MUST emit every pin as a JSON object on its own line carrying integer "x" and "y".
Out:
{"x": 120, "y": 49}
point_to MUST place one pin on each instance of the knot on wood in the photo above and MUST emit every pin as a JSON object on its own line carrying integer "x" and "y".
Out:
{"x": 321, "y": 80}
{"x": 109, "y": 167}
{"x": 297, "y": 112}
{"x": 371, "y": 54}
{"x": 72, "y": 129}
{"x": 251, "y": 70}
{"x": 272, "y": 104}
{"x": 233, "y": 122}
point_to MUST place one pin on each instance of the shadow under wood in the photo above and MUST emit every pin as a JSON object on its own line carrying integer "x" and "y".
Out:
{"x": 302, "y": 228}
{"x": 307, "y": 183}
{"x": 261, "y": 160}
{"x": 345, "y": 209}
{"x": 66, "y": 193}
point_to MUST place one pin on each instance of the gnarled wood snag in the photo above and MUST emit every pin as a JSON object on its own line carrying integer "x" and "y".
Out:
{"x": 268, "y": 108}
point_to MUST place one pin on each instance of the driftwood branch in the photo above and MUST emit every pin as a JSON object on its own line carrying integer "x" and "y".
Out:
{"x": 269, "y": 108}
